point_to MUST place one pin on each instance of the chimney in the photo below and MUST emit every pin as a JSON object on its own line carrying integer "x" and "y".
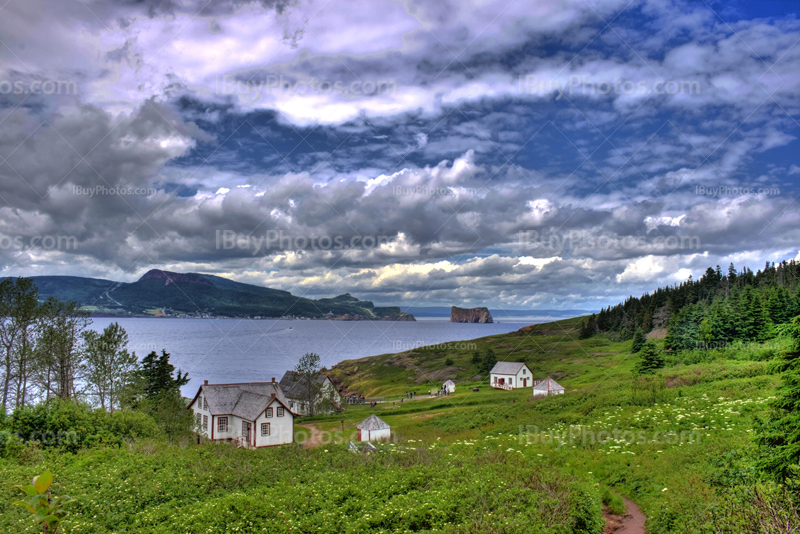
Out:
{"x": 273, "y": 379}
{"x": 205, "y": 382}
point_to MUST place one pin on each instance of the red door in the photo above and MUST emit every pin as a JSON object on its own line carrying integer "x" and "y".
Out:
{"x": 358, "y": 436}
{"x": 524, "y": 382}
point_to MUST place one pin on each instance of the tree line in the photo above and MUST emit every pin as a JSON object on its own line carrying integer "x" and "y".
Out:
{"x": 49, "y": 352}
{"x": 715, "y": 310}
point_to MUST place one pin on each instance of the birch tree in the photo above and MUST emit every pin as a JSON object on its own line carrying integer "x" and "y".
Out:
{"x": 107, "y": 366}
{"x": 18, "y": 313}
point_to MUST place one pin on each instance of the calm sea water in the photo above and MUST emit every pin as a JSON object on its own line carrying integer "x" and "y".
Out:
{"x": 234, "y": 350}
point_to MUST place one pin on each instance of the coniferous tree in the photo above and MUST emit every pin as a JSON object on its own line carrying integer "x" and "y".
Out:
{"x": 639, "y": 340}
{"x": 650, "y": 360}
{"x": 156, "y": 375}
{"x": 778, "y": 436}
{"x": 488, "y": 361}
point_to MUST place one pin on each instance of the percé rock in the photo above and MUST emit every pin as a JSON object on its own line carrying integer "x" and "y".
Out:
{"x": 471, "y": 315}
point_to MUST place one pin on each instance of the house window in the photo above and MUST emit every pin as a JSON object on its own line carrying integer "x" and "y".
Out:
{"x": 269, "y": 412}
{"x": 197, "y": 419}
{"x": 200, "y": 403}
{"x": 205, "y": 403}
{"x": 222, "y": 424}
{"x": 291, "y": 404}
{"x": 280, "y": 412}
{"x": 510, "y": 381}
{"x": 265, "y": 429}
{"x": 205, "y": 422}
{"x": 523, "y": 370}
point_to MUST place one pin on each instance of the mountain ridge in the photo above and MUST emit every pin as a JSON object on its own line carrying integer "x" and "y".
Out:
{"x": 169, "y": 294}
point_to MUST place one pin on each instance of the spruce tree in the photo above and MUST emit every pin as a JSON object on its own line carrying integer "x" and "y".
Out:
{"x": 156, "y": 375}
{"x": 650, "y": 360}
{"x": 639, "y": 340}
{"x": 488, "y": 361}
{"x": 778, "y": 436}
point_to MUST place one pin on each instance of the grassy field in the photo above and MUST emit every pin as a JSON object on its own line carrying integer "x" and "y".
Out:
{"x": 660, "y": 447}
{"x": 454, "y": 462}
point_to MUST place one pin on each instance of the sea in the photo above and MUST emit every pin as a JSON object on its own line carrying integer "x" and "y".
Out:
{"x": 248, "y": 350}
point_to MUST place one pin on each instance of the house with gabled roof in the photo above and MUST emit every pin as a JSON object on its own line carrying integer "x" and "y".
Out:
{"x": 252, "y": 415}
{"x": 296, "y": 392}
{"x": 547, "y": 387}
{"x": 373, "y": 428}
{"x": 510, "y": 375}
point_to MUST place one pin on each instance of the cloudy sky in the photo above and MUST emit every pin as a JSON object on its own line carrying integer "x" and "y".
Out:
{"x": 523, "y": 154}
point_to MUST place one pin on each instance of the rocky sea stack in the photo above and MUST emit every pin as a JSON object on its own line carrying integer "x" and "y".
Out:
{"x": 471, "y": 315}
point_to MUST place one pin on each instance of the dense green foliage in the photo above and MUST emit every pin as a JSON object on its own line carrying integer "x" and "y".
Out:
{"x": 780, "y": 434}
{"x": 152, "y": 489}
{"x": 70, "y": 426}
{"x": 713, "y": 311}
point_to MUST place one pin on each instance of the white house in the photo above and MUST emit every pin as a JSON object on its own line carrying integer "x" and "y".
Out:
{"x": 297, "y": 394}
{"x": 254, "y": 414}
{"x": 373, "y": 428}
{"x": 450, "y": 386}
{"x": 510, "y": 375}
{"x": 547, "y": 387}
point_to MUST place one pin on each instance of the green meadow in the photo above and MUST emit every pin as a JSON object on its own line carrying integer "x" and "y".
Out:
{"x": 680, "y": 446}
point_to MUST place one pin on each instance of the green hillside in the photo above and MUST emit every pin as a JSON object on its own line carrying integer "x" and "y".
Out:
{"x": 678, "y": 443}
{"x": 179, "y": 294}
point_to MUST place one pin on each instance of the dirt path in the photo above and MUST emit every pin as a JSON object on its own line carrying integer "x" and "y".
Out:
{"x": 631, "y": 523}
{"x": 315, "y": 437}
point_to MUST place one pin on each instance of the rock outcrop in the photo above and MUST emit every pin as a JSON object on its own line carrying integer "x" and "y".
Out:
{"x": 471, "y": 315}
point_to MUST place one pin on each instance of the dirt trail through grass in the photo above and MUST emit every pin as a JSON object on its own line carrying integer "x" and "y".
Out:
{"x": 631, "y": 523}
{"x": 313, "y": 435}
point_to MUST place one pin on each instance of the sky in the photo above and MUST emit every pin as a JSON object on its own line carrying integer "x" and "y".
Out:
{"x": 520, "y": 155}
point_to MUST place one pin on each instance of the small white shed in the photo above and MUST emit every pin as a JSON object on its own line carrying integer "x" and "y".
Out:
{"x": 450, "y": 386}
{"x": 373, "y": 428}
{"x": 547, "y": 387}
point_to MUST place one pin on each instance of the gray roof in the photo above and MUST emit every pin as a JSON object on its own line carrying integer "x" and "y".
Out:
{"x": 507, "y": 368}
{"x": 242, "y": 400}
{"x": 547, "y": 384}
{"x": 449, "y": 382}
{"x": 294, "y": 388}
{"x": 373, "y": 422}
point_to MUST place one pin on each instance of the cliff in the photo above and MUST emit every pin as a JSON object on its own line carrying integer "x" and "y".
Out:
{"x": 471, "y": 315}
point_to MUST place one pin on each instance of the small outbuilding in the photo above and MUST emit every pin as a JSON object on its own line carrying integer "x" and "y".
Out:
{"x": 450, "y": 386}
{"x": 547, "y": 387}
{"x": 373, "y": 428}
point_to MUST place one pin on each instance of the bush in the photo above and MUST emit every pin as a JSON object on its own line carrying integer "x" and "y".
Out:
{"x": 70, "y": 426}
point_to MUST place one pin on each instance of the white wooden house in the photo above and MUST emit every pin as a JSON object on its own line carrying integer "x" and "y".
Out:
{"x": 253, "y": 415}
{"x": 373, "y": 428}
{"x": 510, "y": 375}
{"x": 547, "y": 387}
{"x": 296, "y": 394}
{"x": 450, "y": 386}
